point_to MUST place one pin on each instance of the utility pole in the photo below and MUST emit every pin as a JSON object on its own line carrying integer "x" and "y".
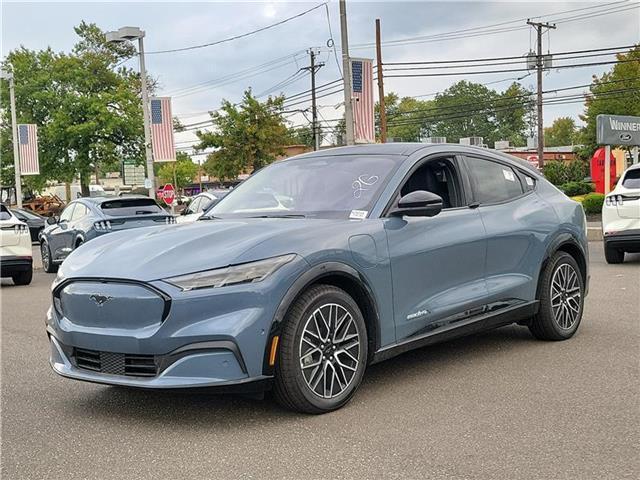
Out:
{"x": 8, "y": 75}
{"x": 383, "y": 111}
{"x": 540, "y": 29}
{"x": 346, "y": 73}
{"x": 313, "y": 68}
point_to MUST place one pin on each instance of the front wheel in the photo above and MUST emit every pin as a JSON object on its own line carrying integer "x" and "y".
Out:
{"x": 47, "y": 261}
{"x": 561, "y": 296}
{"x": 323, "y": 351}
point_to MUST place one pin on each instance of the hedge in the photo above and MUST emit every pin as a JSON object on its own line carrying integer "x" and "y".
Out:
{"x": 571, "y": 189}
{"x": 592, "y": 203}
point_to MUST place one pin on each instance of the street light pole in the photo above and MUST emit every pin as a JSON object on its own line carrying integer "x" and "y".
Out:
{"x": 14, "y": 128}
{"x": 131, "y": 33}
{"x": 145, "y": 118}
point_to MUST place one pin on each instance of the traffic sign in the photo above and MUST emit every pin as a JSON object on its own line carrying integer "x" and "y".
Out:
{"x": 168, "y": 194}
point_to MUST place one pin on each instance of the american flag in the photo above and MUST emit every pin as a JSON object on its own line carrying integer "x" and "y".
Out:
{"x": 362, "y": 88}
{"x": 28, "y": 149}
{"x": 162, "y": 130}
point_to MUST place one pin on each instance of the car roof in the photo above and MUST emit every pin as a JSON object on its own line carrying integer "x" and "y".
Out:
{"x": 407, "y": 149}
{"x": 635, "y": 166}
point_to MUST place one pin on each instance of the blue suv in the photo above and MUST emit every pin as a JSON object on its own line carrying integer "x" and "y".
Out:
{"x": 88, "y": 218}
{"x": 320, "y": 265}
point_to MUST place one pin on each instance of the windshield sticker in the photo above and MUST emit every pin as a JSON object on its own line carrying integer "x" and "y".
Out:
{"x": 529, "y": 181}
{"x": 508, "y": 174}
{"x": 358, "y": 214}
{"x": 362, "y": 182}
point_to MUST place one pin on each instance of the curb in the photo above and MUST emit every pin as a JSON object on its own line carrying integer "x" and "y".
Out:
{"x": 594, "y": 234}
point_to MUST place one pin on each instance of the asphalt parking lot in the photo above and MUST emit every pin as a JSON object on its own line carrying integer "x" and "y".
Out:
{"x": 495, "y": 405}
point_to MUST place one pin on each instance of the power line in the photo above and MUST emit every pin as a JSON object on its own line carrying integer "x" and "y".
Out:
{"x": 518, "y": 57}
{"x": 236, "y": 37}
{"x": 483, "y": 72}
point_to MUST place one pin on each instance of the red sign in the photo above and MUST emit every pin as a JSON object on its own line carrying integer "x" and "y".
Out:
{"x": 597, "y": 170}
{"x": 168, "y": 194}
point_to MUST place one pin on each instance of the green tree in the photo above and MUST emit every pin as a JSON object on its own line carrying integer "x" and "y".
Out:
{"x": 616, "y": 92}
{"x": 246, "y": 137}
{"x": 561, "y": 133}
{"x": 407, "y": 117}
{"x": 512, "y": 108}
{"x": 179, "y": 173}
{"x": 466, "y": 109}
{"x": 304, "y": 135}
{"x": 87, "y": 108}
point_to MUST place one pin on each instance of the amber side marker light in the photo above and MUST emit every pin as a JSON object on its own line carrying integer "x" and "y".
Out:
{"x": 274, "y": 349}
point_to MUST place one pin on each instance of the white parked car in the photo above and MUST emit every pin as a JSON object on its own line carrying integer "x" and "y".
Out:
{"x": 621, "y": 217}
{"x": 199, "y": 204}
{"x": 15, "y": 248}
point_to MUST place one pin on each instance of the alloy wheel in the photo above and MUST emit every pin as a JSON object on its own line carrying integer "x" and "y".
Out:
{"x": 329, "y": 350}
{"x": 44, "y": 253}
{"x": 566, "y": 296}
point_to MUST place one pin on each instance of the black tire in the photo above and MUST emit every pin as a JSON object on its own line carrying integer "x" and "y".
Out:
{"x": 561, "y": 322}
{"x": 22, "y": 278}
{"x": 291, "y": 388}
{"x": 47, "y": 261}
{"x": 613, "y": 255}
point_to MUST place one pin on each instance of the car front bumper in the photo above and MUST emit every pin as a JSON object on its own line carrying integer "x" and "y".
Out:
{"x": 100, "y": 329}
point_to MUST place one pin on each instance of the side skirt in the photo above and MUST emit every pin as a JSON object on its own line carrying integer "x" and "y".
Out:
{"x": 486, "y": 321}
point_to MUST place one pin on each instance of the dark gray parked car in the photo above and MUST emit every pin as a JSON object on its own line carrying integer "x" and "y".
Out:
{"x": 319, "y": 265}
{"x": 35, "y": 222}
{"x": 87, "y": 218}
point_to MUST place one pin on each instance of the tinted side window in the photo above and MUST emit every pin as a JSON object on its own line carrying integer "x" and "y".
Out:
{"x": 195, "y": 204}
{"x": 67, "y": 212}
{"x": 492, "y": 181}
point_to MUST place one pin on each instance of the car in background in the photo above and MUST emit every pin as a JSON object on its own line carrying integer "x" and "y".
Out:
{"x": 88, "y": 218}
{"x": 621, "y": 217}
{"x": 199, "y": 204}
{"x": 35, "y": 222}
{"x": 15, "y": 248}
{"x": 368, "y": 251}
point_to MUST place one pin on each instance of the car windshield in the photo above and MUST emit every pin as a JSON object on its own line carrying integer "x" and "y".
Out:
{"x": 632, "y": 179}
{"x": 126, "y": 207}
{"x": 4, "y": 213}
{"x": 324, "y": 187}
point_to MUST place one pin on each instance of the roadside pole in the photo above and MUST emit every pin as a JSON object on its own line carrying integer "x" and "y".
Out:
{"x": 7, "y": 75}
{"x": 607, "y": 169}
{"x": 313, "y": 68}
{"x": 539, "y": 26}
{"x": 383, "y": 111}
{"x": 346, "y": 73}
{"x": 145, "y": 118}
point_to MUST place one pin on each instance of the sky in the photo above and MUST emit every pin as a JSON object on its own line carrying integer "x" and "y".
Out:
{"x": 183, "y": 75}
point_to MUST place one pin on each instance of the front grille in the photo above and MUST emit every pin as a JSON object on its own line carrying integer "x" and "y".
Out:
{"x": 128, "y": 364}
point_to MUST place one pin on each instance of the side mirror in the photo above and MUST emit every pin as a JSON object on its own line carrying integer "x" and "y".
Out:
{"x": 419, "y": 203}
{"x": 52, "y": 220}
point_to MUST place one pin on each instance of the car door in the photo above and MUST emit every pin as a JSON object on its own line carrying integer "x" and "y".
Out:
{"x": 437, "y": 263}
{"x": 517, "y": 222}
{"x": 58, "y": 235}
{"x": 77, "y": 225}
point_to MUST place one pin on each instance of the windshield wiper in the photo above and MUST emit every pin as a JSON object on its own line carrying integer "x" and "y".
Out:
{"x": 208, "y": 217}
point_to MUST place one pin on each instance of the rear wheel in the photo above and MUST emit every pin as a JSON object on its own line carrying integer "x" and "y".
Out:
{"x": 613, "y": 255}
{"x": 323, "y": 351}
{"x": 47, "y": 261}
{"x": 22, "y": 278}
{"x": 561, "y": 297}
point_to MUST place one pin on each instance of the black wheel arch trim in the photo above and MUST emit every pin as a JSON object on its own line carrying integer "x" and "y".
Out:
{"x": 560, "y": 240}
{"x": 312, "y": 276}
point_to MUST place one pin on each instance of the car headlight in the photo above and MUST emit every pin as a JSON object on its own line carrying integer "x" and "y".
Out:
{"x": 233, "y": 275}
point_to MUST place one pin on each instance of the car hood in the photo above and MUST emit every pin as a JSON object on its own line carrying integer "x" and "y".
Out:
{"x": 154, "y": 253}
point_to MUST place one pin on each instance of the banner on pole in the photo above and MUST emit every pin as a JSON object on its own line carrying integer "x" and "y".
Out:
{"x": 362, "y": 95}
{"x": 162, "y": 130}
{"x": 28, "y": 149}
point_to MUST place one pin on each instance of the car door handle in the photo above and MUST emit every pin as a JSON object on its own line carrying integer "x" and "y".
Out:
{"x": 474, "y": 205}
